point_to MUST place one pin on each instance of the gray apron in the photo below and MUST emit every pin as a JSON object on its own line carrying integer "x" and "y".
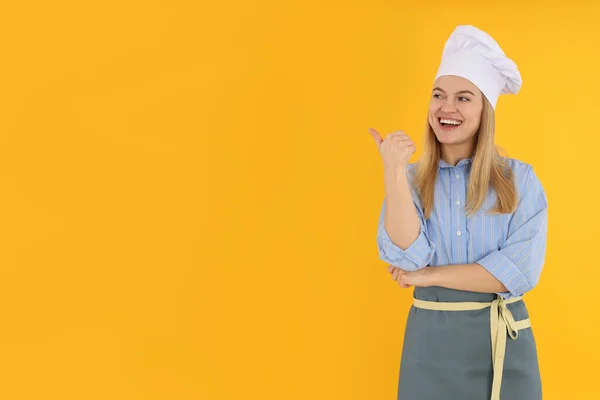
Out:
{"x": 450, "y": 354}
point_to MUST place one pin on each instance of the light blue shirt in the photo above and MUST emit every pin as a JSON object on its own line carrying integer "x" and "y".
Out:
{"x": 512, "y": 247}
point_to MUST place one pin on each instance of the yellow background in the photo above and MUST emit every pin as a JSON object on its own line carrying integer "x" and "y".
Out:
{"x": 190, "y": 194}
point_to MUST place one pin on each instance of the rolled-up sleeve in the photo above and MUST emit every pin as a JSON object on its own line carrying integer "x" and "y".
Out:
{"x": 519, "y": 261}
{"x": 418, "y": 255}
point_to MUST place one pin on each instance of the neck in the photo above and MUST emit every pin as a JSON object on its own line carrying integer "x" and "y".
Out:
{"x": 452, "y": 154}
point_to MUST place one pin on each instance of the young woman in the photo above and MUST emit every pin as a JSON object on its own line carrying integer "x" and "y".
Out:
{"x": 466, "y": 227}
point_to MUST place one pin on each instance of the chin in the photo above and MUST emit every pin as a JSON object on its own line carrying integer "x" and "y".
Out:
{"x": 448, "y": 137}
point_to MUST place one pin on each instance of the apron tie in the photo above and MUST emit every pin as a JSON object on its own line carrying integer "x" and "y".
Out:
{"x": 501, "y": 320}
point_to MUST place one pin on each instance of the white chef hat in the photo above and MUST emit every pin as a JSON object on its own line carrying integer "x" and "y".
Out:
{"x": 474, "y": 55}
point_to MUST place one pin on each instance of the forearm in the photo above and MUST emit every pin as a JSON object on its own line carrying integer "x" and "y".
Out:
{"x": 401, "y": 221}
{"x": 472, "y": 277}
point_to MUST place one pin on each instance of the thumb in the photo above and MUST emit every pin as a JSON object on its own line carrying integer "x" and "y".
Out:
{"x": 376, "y": 136}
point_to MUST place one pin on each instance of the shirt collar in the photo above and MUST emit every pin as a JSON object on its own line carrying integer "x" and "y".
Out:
{"x": 464, "y": 161}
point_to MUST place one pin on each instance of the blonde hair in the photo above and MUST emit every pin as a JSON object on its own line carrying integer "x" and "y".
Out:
{"x": 488, "y": 168}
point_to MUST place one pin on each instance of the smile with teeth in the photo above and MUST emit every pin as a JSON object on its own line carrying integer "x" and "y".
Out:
{"x": 445, "y": 121}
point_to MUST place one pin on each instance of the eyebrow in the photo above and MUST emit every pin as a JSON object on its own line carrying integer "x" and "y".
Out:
{"x": 459, "y": 92}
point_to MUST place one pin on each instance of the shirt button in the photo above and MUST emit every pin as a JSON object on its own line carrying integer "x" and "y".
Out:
{"x": 458, "y": 233}
{"x": 458, "y": 202}
{"x": 457, "y": 176}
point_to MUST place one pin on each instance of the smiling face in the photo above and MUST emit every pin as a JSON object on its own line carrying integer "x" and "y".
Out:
{"x": 455, "y": 110}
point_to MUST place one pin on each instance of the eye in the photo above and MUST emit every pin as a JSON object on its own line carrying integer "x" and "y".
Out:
{"x": 436, "y": 94}
{"x": 466, "y": 98}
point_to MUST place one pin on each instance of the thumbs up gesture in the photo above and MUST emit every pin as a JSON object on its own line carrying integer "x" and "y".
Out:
{"x": 396, "y": 149}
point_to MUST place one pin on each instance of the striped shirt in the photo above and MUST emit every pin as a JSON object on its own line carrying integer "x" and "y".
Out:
{"x": 512, "y": 247}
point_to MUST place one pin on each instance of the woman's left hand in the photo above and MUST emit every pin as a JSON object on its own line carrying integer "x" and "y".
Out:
{"x": 406, "y": 279}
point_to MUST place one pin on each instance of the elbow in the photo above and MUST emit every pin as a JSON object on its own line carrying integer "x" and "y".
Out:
{"x": 531, "y": 282}
{"x": 416, "y": 256}
{"x": 403, "y": 264}
{"x": 534, "y": 278}
{"x": 404, "y": 260}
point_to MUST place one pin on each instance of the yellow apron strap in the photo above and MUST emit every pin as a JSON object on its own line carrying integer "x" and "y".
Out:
{"x": 448, "y": 306}
{"x": 501, "y": 320}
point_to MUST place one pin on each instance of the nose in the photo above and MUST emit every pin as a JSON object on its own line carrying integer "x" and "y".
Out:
{"x": 448, "y": 106}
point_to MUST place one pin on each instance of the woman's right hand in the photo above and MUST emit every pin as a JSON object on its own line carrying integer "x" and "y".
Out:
{"x": 396, "y": 149}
